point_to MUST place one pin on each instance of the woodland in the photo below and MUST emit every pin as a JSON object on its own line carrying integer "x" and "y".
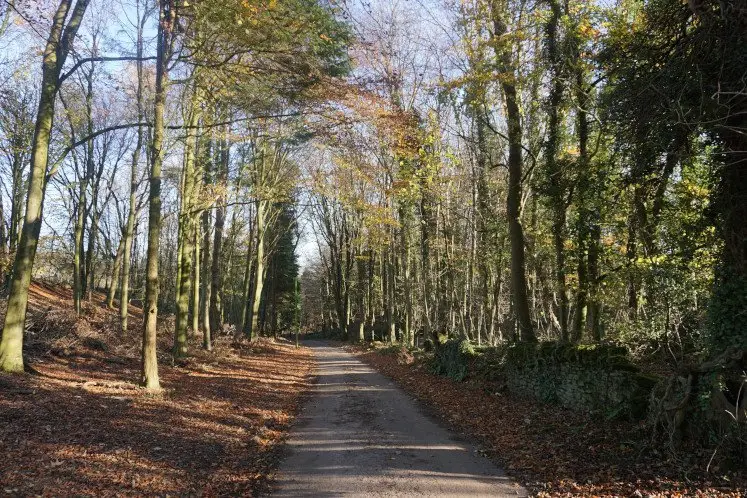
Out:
{"x": 461, "y": 184}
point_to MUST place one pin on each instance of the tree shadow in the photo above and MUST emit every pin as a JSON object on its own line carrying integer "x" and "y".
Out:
{"x": 359, "y": 434}
{"x": 83, "y": 428}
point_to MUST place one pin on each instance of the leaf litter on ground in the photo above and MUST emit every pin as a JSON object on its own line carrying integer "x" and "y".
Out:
{"x": 80, "y": 426}
{"x": 554, "y": 451}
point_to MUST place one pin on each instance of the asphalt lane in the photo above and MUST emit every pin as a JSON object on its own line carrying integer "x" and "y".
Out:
{"x": 360, "y": 435}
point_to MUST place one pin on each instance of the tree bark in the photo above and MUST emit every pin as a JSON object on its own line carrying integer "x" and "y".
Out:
{"x": 205, "y": 312}
{"x": 554, "y": 170}
{"x": 55, "y": 53}
{"x": 361, "y": 274}
{"x": 515, "y": 166}
{"x": 246, "y": 288}
{"x": 187, "y": 225}
{"x": 195, "y": 304}
{"x": 407, "y": 329}
{"x": 80, "y": 218}
{"x": 255, "y": 296}
{"x": 150, "y": 323}
{"x": 220, "y": 219}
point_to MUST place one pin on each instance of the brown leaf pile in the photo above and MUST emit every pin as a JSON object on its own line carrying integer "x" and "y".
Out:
{"x": 82, "y": 427}
{"x": 557, "y": 452}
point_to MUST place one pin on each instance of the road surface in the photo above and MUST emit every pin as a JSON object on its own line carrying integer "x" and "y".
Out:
{"x": 360, "y": 435}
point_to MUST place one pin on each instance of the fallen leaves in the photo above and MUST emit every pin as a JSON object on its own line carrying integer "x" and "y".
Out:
{"x": 556, "y": 452}
{"x": 83, "y": 428}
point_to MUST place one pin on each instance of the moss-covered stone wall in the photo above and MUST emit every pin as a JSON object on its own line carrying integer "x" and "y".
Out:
{"x": 593, "y": 378}
{"x": 598, "y": 378}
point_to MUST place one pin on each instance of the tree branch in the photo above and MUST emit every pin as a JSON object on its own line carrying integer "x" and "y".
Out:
{"x": 102, "y": 59}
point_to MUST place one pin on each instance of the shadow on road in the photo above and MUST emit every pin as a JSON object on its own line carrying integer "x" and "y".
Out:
{"x": 361, "y": 435}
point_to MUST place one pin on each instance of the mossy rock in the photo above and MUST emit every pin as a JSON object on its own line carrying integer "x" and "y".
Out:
{"x": 452, "y": 359}
{"x": 488, "y": 363}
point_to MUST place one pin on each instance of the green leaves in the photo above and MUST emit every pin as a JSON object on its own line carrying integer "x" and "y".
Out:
{"x": 260, "y": 52}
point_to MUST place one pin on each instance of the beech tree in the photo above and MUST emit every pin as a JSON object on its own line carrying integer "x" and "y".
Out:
{"x": 65, "y": 25}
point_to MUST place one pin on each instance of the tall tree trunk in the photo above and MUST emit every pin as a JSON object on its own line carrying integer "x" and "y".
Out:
{"x": 228, "y": 309}
{"x": 3, "y": 235}
{"x": 54, "y": 56}
{"x": 95, "y": 219}
{"x": 388, "y": 271}
{"x": 16, "y": 212}
{"x": 484, "y": 226}
{"x": 91, "y": 251}
{"x": 503, "y": 50}
{"x": 631, "y": 253}
{"x": 427, "y": 226}
{"x": 404, "y": 234}
{"x": 554, "y": 170}
{"x": 272, "y": 296}
{"x": 338, "y": 287}
{"x": 246, "y": 288}
{"x": 582, "y": 272}
{"x": 195, "y": 305}
{"x": 587, "y": 237}
{"x": 85, "y": 183}
{"x": 205, "y": 312}
{"x": 594, "y": 315}
{"x": 370, "y": 294}
{"x": 220, "y": 219}
{"x": 166, "y": 19}
{"x": 80, "y": 218}
{"x": 361, "y": 274}
{"x": 187, "y": 224}
{"x": 255, "y": 296}
{"x": 468, "y": 306}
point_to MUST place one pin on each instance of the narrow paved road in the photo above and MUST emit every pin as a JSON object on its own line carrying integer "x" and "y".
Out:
{"x": 361, "y": 435}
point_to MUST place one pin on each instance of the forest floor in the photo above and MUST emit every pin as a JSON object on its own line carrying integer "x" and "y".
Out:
{"x": 553, "y": 451}
{"x": 80, "y": 425}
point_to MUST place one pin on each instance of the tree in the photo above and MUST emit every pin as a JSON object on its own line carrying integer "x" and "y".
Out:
{"x": 187, "y": 224}
{"x": 555, "y": 172}
{"x": 167, "y": 22}
{"x": 60, "y": 40}
{"x": 688, "y": 101}
{"x": 508, "y": 81}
